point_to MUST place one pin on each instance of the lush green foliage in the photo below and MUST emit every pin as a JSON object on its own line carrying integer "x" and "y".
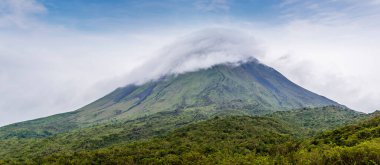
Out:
{"x": 320, "y": 118}
{"x": 235, "y": 140}
{"x": 231, "y": 139}
{"x": 116, "y": 132}
{"x": 97, "y": 136}
{"x": 352, "y": 144}
{"x": 351, "y": 135}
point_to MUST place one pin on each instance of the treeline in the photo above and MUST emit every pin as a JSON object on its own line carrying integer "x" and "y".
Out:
{"x": 235, "y": 140}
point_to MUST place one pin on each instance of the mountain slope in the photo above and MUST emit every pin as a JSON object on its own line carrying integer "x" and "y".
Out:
{"x": 249, "y": 88}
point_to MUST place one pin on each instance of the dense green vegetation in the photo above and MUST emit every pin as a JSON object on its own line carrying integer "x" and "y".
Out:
{"x": 320, "y": 118}
{"x": 117, "y": 132}
{"x": 97, "y": 136}
{"x": 352, "y": 144}
{"x": 235, "y": 140}
{"x": 210, "y": 141}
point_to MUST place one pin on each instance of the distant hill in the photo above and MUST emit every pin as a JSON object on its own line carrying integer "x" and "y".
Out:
{"x": 320, "y": 118}
{"x": 376, "y": 113}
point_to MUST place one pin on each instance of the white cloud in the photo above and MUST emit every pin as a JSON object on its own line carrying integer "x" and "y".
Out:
{"x": 329, "y": 47}
{"x": 198, "y": 50}
{"x": 48, "y": 72}
{"x": 19, "y": 13}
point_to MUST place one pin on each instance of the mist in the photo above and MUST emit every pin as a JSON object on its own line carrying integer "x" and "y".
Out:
{"x": 198, "y": 50}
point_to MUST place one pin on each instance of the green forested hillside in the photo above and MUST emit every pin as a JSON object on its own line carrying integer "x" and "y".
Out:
{"x": 352, "y": 144}
{"x": 237, "y": 140}
{"x": 232, "y": 139}
{"x": 320, "y": 118}
{"x": 116, "y": 132}
{"x": 97, "y": 136}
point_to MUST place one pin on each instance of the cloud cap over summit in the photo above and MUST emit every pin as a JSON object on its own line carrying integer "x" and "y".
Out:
{"x": 199, "y": 50}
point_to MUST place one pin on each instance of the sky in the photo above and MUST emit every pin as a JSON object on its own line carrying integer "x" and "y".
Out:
{"x": 57, "y": 56}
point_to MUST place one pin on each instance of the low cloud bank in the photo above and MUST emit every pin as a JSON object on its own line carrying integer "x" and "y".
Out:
{"x": 198, "y": 50}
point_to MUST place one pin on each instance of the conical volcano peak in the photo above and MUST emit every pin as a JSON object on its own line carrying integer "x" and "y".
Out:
{"x": 246, "y": 87}
{"x": 242, "y": 87}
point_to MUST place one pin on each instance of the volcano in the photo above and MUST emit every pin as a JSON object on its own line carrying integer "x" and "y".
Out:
{"x": 245, "y": 88}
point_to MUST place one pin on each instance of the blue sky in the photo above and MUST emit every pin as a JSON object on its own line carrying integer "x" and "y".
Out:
{"x": 131, "y": 14}
{"x": 59, "y": 55}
